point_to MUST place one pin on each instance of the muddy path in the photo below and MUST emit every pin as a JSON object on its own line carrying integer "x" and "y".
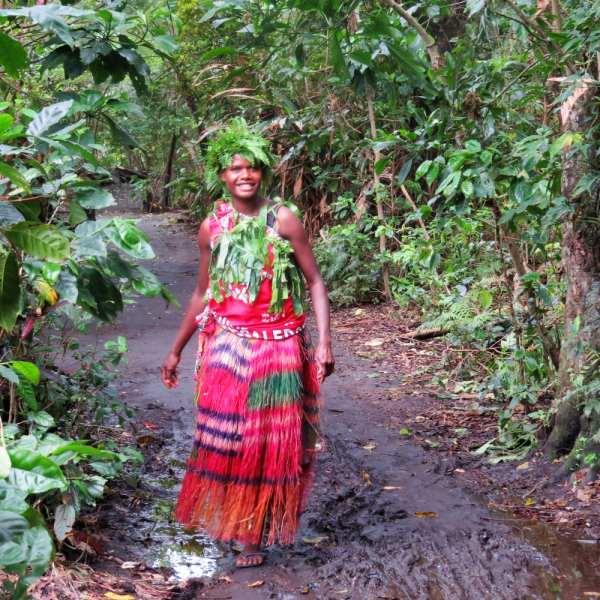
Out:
{"x": 386, "y": 518}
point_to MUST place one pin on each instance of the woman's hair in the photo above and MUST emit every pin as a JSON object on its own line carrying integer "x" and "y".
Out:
{"x": 235, "y": 139}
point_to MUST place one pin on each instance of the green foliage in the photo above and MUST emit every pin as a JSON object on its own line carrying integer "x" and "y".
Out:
{"x": 56, "y": 273}
{"x": 236, "y": 139}
{"x": 238, "y": 251}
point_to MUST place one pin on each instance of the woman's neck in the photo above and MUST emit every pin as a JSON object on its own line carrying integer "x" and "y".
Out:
{"x": 249, "y": 206}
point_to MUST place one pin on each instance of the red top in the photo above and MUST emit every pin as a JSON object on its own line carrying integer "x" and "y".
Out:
{"x": 235, "y": 313}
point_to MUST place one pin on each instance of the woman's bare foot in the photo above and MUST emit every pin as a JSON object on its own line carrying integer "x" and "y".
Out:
{"x": 246, "y": 560}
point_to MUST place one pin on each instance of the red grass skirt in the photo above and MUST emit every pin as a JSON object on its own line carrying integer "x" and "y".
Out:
{"x": 256, "y": 437}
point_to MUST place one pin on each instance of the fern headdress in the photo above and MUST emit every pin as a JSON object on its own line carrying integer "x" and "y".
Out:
{"x": 236, "y": 139}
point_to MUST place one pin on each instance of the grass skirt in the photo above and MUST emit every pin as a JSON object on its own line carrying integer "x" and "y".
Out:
{"x": 256, "y": 437}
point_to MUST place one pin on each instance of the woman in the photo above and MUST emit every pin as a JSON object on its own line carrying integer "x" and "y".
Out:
{"x": 258, "y": 376}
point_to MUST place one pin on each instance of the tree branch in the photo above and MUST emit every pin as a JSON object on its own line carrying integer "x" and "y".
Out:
{"x": 437, "y": 61}
{"x": 569, "y": 66}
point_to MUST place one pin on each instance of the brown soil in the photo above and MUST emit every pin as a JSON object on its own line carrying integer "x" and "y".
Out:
{"x": 400, "y": 509}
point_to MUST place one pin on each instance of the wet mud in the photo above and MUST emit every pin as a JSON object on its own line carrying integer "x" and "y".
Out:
{"x": 386, "y": 519}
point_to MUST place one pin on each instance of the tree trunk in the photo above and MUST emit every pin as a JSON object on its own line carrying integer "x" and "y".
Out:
{"x": 376, "y": 183}
{"x": 581, "y": 261}
{"x": 168, "y": 171}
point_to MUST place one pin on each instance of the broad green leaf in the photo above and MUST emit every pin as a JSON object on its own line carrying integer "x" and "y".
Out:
{"x": 41, "y": 241}
{"x": 300, "y": 55}
{"x": 17, "y": 179}
{"x": 432, "y": 173}
{"x": 11, "y": 553}
{"x": 485, "y": 298}
{"x": 142, "y": 249}
{"x": 336, "y": 56}
{"x": 404, "y": 171}
{"x": 472, "y": 146}
{"x": 42, "y": 418}
{"x": 12, "y": 526}
{"x": 89, "y": 246}
{"x": 9, "y": 375}
{"x": 6, "y": 121}
{"x": 467, "y": 188}
{"x": 84, "y": 450}
{"x": 146, "y": 283}
{"x": 50, "y": 21}
{"x": 136, "y": 60}
{"x": 10, "y": 290}
{"x": 120, "y": 133}
{"x": 217, "y": 52}
{"x": 381, "y": 164}
{"x": 34, "y": 473}
{"x": 166, "y": 43}
{"x": 4, "y": 463}
{"x": 13, "y": 57}
{"x": 47, "y": 117}
{"x": 95, "y": 198}
{"x": 406, "y": 60}
{"x": 564, "y": 141}
{"x": 63, "y": 521}
{"x": 9, "y": 215}
{"x": 40, "y": 549}
{"x": 27, "y": 369}
{"x": 11, "y": 498}
{"x": 51, "y": 272}
{"x": 168, "y": 297}
{"x": 423, "y": 168}
{"x": 25, "y": 390}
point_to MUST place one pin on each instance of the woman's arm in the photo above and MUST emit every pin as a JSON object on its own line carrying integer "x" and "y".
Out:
{"x": 290, "y": 228}
{"x": 195, "y": 307}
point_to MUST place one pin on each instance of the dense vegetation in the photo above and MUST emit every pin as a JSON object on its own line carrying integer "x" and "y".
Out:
{"x": 443, "y": 154}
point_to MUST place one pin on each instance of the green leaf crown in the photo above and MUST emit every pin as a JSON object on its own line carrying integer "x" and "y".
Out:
{"x": 236, "y": 139}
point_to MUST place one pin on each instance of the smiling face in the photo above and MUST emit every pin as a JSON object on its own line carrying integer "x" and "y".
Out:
{"x": 242, "y": 178}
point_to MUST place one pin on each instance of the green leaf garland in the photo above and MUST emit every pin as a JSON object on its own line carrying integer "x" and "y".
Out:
{"x": 239, "y": 257}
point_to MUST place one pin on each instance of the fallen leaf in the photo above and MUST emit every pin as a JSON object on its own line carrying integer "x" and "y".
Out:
{"x": 358, "y": 312}
{"x": 525, "y": 465}
{"x": 391, "y": 487}
{"x": 370, "y": 446}
{"x": 425, "y": 514}
{"x": 142, "y": 441}
{"x": 305, "y": 591}
{"x": 376, "y": 342}
{"x": 420, "y": 418}
{"x": 341, "y": 592}
{"x": 585, "y": 494}
{"x": 256, "y": 584}
{"x": 130, "y": 565}
{"x": 459, "y": 470}
{"x": 226, "y": 579}
{"x": 367, "y": 478}
{"x": 316, "y": 540}
{"x": 592, "y": 594}
{"x": 529, "y": 502}
{"x": 118, "y": 597}
{"x": 150, "y": 425}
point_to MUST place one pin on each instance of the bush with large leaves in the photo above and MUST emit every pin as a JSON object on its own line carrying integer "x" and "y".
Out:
{"x": 60, "y": 265}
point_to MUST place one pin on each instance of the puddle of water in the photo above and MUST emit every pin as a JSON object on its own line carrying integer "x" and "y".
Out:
{"x": 575, "y": 564}
{"x": 166, "y": 483}
{"x": 574, "y": 560}
{"x": 188, "y": 552}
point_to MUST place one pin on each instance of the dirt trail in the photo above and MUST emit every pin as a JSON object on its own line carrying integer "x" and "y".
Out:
{"x": 373, "y": 545}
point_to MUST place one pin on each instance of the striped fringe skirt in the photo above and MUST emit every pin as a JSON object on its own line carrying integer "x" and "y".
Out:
{"x": 250, "y": 467}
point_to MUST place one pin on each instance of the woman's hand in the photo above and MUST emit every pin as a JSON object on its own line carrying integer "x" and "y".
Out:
{"x": 168, "y": 370}
{"x": 325, "y": 361}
